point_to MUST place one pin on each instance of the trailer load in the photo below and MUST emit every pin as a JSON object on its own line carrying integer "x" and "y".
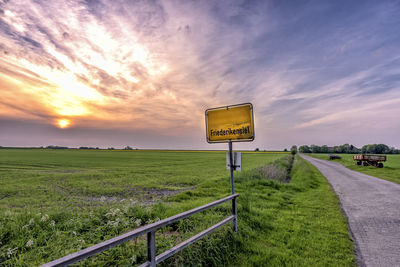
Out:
{"x": 370, "y": 160}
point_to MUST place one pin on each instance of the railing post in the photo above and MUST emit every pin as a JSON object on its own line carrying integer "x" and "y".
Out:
{"x": 151, "y": 248}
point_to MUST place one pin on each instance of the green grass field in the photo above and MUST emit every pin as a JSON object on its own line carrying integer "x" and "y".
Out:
{"x": 55, "y": 202}
{"x": 390, "y": 171}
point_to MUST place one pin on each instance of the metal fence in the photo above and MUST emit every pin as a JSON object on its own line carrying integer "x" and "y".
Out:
{"x": 150, "y": 230}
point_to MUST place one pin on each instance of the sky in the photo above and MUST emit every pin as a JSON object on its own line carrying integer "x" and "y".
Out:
{"x": 142, "y": 73}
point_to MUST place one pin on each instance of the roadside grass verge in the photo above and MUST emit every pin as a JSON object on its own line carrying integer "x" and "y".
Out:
{"x": 293, "y": 224}
{"x": 282, "y": 221}
{"x": 390, "y": 171}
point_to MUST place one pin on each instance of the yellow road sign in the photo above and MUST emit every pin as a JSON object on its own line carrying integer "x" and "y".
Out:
{"x": 230, "y": 123}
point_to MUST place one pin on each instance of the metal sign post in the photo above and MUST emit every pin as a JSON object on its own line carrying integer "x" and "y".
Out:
{"x": 234, "y": 209}
{"x": 229, "y": 124}
{"x": 231, "y": 167}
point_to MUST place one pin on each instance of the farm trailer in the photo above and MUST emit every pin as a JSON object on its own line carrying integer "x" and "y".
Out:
{"x": 370, "y": 160}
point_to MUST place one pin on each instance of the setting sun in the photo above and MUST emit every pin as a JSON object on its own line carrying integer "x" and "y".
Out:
{"x": 63, "y": 123}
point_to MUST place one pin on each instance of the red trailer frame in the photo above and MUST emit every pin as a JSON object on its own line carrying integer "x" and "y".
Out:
{"x": 370, "y": 160}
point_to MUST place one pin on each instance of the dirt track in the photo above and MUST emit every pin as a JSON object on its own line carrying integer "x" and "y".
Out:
{"x": 372, "y": 207}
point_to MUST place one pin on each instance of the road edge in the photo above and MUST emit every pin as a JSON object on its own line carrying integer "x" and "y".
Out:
{"x": 357, "y": 251}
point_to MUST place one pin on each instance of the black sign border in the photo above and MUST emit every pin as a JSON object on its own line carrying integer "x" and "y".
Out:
{"x": 230, "y": 140}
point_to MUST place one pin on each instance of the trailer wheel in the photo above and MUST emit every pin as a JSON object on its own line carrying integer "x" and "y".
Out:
{"x": 364, "y": 163}
{"x": 358, "y": 163}
{"x": 380, "y": 165}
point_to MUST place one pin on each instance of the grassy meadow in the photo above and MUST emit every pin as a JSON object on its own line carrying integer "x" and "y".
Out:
{"x": 390, "y": 171}
{"x": 55, "y": 202}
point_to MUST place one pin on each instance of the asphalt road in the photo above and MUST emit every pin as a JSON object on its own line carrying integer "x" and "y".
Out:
{"x": 372, "y": 207}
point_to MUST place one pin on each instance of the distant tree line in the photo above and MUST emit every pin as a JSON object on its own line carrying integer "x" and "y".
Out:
{"x": 83, "y": 147}
{"x": 65, "y": 147}
{"x": 350, "y": 149}
{"x": 57, "y": 147}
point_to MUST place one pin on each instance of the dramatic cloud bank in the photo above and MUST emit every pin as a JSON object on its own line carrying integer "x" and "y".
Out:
{"x": 141, "y": 73}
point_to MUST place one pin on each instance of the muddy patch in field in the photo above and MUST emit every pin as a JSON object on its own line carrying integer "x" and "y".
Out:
{"x": 146, "y": 196}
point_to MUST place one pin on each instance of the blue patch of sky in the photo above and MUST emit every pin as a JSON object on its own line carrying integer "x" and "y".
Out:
{"x": 328, "y": 41}
{"x": 379, "y": 84}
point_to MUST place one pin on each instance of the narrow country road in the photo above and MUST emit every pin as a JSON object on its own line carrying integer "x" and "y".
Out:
{"x": 372, "y": 206}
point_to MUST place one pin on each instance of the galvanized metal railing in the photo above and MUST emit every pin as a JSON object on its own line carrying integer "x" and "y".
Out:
{"x": 150, "y": 230}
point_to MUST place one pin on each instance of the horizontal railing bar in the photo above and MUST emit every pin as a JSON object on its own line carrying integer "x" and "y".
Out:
{"x": 90, "y": 251}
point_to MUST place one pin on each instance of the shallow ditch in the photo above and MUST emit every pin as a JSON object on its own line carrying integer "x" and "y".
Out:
{"x": 279, "y": 170}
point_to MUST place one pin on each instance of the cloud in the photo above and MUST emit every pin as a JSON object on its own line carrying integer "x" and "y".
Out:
{"x": 156, "y": 65}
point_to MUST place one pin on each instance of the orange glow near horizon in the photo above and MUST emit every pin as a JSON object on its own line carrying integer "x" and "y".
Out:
{"x": 63, "y": 123}
{"x": 90, "y": 72}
